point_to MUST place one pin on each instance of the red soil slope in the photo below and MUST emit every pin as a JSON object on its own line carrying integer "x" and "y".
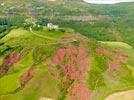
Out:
{"x": 9, "y": 60}
{"x": 73, "y": 63}
{"x": 118, "y": 57}
{"x": 12, "y": 58}
{"x": 76, "y": 37}
{"x": 26, "y": 76}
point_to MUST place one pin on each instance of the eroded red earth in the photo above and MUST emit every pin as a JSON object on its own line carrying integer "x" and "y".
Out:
{"x": 76, "y": 37}
{"x": 9, "y": 60}
{"x": 26, "y": 76}
{"x": 117, "y": 57}
{"x": 12, "y": 58}
{"x": 73, "y": 64}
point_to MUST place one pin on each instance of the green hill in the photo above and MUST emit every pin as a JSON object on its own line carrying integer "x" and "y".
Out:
{"x": 62, "y": 65}
{"x": 88, "y": 55}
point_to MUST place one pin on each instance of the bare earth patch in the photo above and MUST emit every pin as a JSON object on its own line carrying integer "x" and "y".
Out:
{"x": 9, "y": 60}
{"x": 118, "y": 57}
{"x": 76, "y": 37}
{"x": 72, "y": 64}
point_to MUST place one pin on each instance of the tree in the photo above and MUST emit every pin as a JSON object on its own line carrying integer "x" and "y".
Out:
{"x": 30, "y": 22}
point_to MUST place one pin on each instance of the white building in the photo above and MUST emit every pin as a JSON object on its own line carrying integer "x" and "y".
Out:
{"x": 52, "y": 26}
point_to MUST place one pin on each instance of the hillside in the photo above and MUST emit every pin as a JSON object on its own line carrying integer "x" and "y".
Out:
{"x": 66, "y": 50}
{"x": 62, "y": 65}
{"x": 103, "y": 23}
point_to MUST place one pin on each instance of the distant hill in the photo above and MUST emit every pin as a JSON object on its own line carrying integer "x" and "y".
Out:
{"x": 101, "y": 22}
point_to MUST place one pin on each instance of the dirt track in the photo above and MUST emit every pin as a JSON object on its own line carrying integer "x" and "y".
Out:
{"x": 126, "y": 95}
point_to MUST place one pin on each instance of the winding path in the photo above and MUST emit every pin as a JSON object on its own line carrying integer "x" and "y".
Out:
{"x": 41, "y": 36}
{"x": 126, "y": 95}
{"x": 57, "y": 41}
